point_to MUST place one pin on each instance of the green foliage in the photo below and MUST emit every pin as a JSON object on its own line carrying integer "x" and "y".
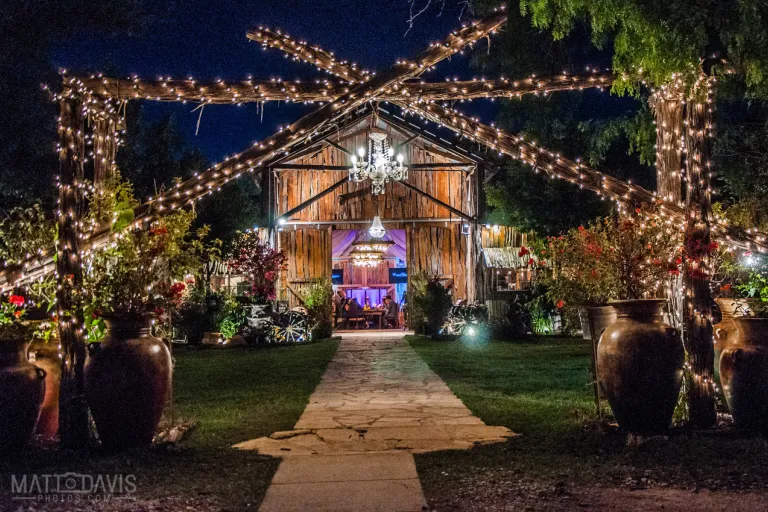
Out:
{"x": 638, "y": 129}
{"x": 653, "y": 41}
{"x": 756, "y": 287}
{"x": 319, "y": 304}
{"x": 430, "y": 303}
{"x": 231, "y": 317}
{"x": 136, "y": 273}
{"x": 25, "y": 232}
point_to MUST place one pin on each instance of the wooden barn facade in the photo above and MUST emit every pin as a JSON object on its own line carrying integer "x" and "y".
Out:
{"x": 434, "y": 217}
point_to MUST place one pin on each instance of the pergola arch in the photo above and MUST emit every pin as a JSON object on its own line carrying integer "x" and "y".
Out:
{"x": 96, "y": 100}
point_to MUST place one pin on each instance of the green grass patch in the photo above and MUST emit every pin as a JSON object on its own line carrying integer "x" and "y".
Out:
{"x": 234, "y": 395}
{"x": 541, "y": 389}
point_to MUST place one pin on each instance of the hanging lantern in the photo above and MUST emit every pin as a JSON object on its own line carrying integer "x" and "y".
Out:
{"x": 377, "y": 228}
{"x": 381, "y": 166}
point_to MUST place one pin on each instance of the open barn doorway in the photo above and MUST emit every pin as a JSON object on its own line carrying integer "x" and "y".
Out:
{"x": 369, "y": 278}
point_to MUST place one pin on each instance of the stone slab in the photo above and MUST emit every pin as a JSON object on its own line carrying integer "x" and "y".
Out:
{"x": 403, "y": 495}
{"x": 346, "y": 468}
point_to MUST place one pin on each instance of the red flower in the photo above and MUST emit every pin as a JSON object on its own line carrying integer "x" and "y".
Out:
{"x": 17, "y": 314}
{"x": 531, "y": 262}
{"x": 560, "y": 304}
{"x": 674, "y": 272}
{"x": 637, "y": 210}
{"x": 523, "y": 252}
{"x": 16, "y": 300}
{"x": 725, "y": 287}
{"x": 542, "y": 263}
{"x": 159, "y": 311}
{"x": 713, "y": 246}
{"x": 678, "y": 260}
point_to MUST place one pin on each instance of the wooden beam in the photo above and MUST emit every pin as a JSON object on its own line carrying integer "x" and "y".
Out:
{"x": 435, "y": 200}
{"x": 518, "y": 148}
{"x": 287, "y": 215}
{"x": 340, "y": 148}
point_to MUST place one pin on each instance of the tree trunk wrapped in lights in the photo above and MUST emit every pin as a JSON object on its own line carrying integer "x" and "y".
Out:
{"x": 668, "y": 105}
{"x": 697, "y": 275}
{"x": 73, "y": 410}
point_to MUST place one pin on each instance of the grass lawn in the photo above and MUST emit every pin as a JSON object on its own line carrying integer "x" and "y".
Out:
{"x": 234, "y": 395}
{"x": 541, "y": 389}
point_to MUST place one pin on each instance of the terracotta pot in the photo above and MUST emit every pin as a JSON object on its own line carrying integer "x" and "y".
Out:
{"x": 640, "y": 366}
{"x": 744, "y": 374}
{"x": 725, "y": 330}
{"x": 22, "y": 388}
{"x": 47, "y": 358}
{"x": 127, "y": 382}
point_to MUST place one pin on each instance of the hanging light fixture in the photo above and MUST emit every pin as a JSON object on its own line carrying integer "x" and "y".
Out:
{"x": 377, "y": 228}
{"x": 380, "y": 167}
{"x": 369, "y": 253}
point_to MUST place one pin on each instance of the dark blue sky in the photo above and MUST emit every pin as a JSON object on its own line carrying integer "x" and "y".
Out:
{"x": 206, "y": 39}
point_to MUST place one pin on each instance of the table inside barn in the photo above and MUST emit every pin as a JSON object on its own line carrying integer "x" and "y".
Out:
{"x": 369, "y": 313}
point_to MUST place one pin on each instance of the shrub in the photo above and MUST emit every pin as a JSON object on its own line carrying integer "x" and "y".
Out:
{"x": 433, "y": 306}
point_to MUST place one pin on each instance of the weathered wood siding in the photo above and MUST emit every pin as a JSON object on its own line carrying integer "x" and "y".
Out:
{"x": 441, "y": 252}
{"x": 297, "y": 186}
{"x": 309, "y": 257}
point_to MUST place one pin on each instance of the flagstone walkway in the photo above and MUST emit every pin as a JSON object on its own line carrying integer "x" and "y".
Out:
{"x": 376, "y": 405}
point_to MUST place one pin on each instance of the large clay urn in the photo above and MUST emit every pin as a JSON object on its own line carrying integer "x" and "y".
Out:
{"x": 599, "y": 318}
{"x": 127, "y": 382}
{"x": 640, "y": 366}
{"x": 744, "y": 374}
{"x": 22, "y": 388}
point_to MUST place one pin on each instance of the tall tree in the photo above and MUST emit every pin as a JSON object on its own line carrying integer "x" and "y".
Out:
{"x": 656, "y": 42}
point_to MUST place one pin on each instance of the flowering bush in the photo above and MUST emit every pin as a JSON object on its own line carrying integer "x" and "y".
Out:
{"x": 12, "y": 311}
{"x": 143, "y": 272}
{"x": 255, "y": 259}
{"x": 628, "y": 256}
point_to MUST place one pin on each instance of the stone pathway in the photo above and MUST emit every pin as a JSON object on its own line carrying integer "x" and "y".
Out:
{"x": 376, "y": 404}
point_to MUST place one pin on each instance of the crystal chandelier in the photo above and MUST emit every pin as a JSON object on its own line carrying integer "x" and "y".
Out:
{"x": 369, "y": 253}
{"x": 377, "y": 228}
{"x": 379, "y": 167}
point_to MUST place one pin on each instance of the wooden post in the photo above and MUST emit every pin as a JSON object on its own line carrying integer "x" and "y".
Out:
{"x": 667, "y": 104}
{"x": 105, "y": 126}
{"x": 477, "y": 235}
{"x": 697, "y": 272}
{"x": 73, "y": 409}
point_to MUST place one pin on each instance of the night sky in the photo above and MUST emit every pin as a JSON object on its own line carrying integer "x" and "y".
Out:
{"x": 206, "y": 40}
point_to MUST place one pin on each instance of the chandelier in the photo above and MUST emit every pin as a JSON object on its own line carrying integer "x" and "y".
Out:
{"x": 379, "y": 167}
{"x": 369, "y": 253}
{"x": 377, "y": 228}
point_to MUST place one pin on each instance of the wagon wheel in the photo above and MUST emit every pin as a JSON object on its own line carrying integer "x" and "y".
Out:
{"x": 292, "y": 327}
{"x": 457, "y": 320}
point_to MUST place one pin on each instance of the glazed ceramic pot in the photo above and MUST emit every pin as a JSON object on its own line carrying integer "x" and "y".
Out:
{"x": 599, "y": 318}
{"x": 640, "y": 366}
{"x": 127, "y": 383}
{"x": 744, "y": 374}
{"x": 47, "y": 358}
{"x": 22, "y": 388}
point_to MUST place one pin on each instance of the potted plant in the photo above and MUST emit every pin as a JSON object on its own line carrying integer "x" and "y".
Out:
{"x": 319, "y": 304}
{"x": 640, "y": 357}
{"x": 744, "y": 363}
{"x": 22, "y": 384}
{"x": 252, "y": 257}
{"x": 129, "y": 284}
{"x": 576, "y": 272}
